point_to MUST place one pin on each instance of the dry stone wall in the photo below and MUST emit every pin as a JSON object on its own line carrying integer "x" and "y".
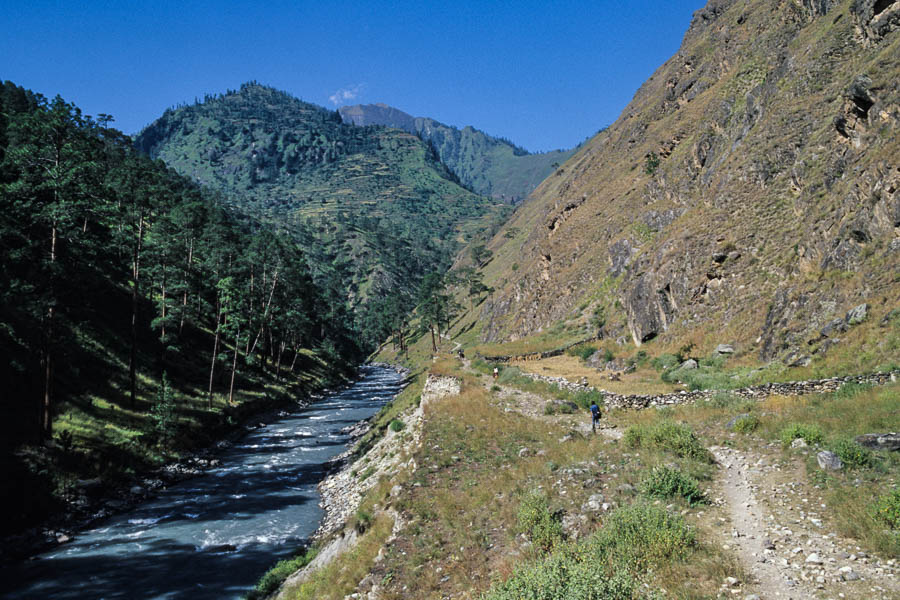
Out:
{"x": 756, "y": 392}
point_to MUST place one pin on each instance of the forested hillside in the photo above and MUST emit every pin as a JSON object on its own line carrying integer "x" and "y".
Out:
{"x": 374, "y": 207}
{"x": 137, "y": 312}
{"x": 488, "y": 165}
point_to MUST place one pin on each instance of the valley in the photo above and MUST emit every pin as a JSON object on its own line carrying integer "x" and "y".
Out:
{"x": 366, "y": 343}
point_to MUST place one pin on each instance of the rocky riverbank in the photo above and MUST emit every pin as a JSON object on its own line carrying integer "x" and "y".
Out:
{"x": 343, "y": 491}
{"x": 94, "y": 500}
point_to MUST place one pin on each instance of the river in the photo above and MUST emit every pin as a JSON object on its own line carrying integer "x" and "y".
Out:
{"x": 214, "y": 535}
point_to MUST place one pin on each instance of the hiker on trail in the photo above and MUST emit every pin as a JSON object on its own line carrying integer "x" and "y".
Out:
{"x": 496, "y": 372}
{"x": 595, "y": 416}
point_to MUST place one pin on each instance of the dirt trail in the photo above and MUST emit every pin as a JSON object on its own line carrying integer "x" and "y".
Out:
{"x": 778, "y": 530}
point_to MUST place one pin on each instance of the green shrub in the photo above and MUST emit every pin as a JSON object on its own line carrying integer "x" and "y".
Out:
{"x": 585, "y": 398}
{"x": 564, "y": 576}
{"x": 850, "y": 390}
{"x": 664, "y": 361}
{"x": 397, "y": 425}
{"x": 275, "y": 576}
{"x": 362, "y": 520}
{"x": 536, "y": 521}
{"x": 583, "y": 352}
{"x": 510, "y": 375}
{"x": 746, "y": 424}
{"x": 887, "y": 509}
{"x": 811, "y": 434}
{"x": 852, "y": 454}
{"x": 639, "y": 535}
{"x": 663, "y": 482}
{"x": 725, "y": 400}
{"x": 163, "y": 413}
{"x": 667, "y": 435}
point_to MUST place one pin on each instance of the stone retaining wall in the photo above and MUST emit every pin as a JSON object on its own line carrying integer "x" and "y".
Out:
{"x": 756, "y": 392}
{"x": 538, "y": 355}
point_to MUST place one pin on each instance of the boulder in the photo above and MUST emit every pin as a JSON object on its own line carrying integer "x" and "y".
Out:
{"x": 857, "y": 314}
{"x": 593, "y": 504}
{"x": 724, "y": 349}
{"x": 799, "y": 443}
{"x": 829, "y": 461}
{"x": 879, "y": 441}
{"x": 688, "y": 364}
{"x": 833, "y": 327}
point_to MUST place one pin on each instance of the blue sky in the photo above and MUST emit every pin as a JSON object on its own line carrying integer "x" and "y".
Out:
{"x": 545, "y": 75}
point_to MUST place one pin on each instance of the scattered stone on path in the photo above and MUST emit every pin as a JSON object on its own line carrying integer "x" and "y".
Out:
{"x": 829, "y": 461}
{"x": 798, "y": 443}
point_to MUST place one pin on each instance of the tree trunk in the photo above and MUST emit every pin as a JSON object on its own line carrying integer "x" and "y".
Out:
{"x": 212, "y": 368}
{"x": 294, "y": 361}
{"x": 47, "y": 358}
{"x": 237, "y": 341}
{"x": 266, "y": 311}
{"x": 433, "y": 345}
{"x": 187, "y": 283}
{"x": 136, "y": 276}
{"x": 278, "y": 362}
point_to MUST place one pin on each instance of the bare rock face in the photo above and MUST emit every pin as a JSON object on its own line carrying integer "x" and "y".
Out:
{"x": 875, "y": 18}
{"x": 650, "y": 309}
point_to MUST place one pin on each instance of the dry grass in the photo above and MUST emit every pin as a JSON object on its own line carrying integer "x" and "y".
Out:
{"x": 461, "y": 502}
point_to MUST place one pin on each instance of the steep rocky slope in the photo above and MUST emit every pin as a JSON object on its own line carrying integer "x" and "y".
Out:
{"x": 749, "y": 191}
{"x": 488, "y": 165}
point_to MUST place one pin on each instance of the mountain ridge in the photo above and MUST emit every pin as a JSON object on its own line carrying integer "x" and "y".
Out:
{"x": 362, "y": 200}
{"x": 488, "y": 164}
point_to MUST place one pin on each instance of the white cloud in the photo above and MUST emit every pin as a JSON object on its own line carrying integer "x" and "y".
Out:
{"x": 344, "y": 95}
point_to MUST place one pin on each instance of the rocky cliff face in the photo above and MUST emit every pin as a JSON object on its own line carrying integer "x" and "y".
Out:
{"x": 750, "y": 188}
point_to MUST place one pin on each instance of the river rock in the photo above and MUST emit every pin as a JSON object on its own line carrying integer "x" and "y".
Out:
{"x": 829, "y": 461}
{"x": 879, "y": 441}
{"x": 857, "y": 314}
{"x": 137, "y": 490}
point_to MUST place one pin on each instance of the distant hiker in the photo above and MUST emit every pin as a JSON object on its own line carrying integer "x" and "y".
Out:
{"x": 461, "y": 354}
{"x": 595, "y": 416}
{"x": 496, "y": 372}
